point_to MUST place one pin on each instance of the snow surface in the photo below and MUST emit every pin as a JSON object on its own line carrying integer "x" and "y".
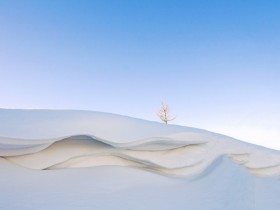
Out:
{"x": 58, "y": 159}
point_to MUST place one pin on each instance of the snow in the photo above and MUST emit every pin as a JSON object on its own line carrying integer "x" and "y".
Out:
{"x": 67, "y": 159}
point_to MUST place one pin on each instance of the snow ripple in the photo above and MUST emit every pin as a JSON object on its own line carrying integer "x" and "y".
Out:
{"x": 179, "y": 154}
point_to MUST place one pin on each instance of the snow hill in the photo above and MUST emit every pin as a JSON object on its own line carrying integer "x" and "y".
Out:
{"x": 65, "y": 159}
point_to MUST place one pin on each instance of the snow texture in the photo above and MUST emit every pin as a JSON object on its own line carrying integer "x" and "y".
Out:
{"x": 58, "y": 159}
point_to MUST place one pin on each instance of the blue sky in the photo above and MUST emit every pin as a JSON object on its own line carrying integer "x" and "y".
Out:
{"x": 216, "y": 63}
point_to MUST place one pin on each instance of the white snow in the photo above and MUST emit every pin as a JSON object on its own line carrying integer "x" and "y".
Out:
{"x": 90, "y": 160}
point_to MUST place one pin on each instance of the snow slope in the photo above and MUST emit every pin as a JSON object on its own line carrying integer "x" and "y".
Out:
{"x": 58, "y": 159}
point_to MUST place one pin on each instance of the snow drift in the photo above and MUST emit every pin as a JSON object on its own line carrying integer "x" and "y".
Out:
{"x": 43, "y": 141}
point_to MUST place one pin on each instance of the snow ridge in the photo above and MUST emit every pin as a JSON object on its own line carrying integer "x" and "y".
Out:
{"x": 181, "y": 154}
{"x": 49, "y": 140}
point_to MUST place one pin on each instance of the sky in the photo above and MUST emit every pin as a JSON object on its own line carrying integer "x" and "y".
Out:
{"x": 216, "y": 63}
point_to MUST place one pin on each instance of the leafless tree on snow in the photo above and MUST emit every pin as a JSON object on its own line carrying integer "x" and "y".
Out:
{"x": 163, "y": 113}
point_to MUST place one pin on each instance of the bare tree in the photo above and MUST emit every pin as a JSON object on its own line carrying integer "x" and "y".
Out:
{"x": 163, "y": 113}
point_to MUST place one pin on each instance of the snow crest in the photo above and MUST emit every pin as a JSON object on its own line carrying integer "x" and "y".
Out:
{"x": 182, "y": 154}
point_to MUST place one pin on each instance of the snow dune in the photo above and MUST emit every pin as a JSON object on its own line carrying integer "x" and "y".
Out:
{"x": 76, "y": 139}
{"x": 56, "y": 143}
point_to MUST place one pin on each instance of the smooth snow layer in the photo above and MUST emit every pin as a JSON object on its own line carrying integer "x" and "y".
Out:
{"x": 52, "y": 144}
{"x": 73, "y": 139}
